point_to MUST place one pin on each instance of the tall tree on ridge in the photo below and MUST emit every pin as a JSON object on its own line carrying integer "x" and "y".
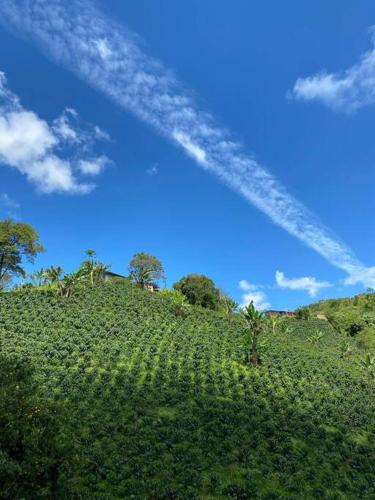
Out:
{"x": 145, "y": 269}
{"x": 18, "y": 241}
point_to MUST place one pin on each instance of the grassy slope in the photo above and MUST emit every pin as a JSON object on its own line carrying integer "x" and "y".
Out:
{"x": 358, "y": 310}
{"x": 148, "y": 403}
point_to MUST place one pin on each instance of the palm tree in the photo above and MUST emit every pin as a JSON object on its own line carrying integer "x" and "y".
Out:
{"x": 39, "y": 277}
{"x": 87, "y": 269}
{"x": 94, "y": 271}
{"x": 100, "y": 271}
{"x": 255, "y": 321}
{"x": 53, "y": 274}
{"x": 90, "y": 254}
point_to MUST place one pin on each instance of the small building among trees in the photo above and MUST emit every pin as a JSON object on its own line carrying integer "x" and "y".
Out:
{"x": 108, "y": 275}
{"x": 273, "y": 313}
{"x": 152, "y": 287}
{"x": 322, "y": 317}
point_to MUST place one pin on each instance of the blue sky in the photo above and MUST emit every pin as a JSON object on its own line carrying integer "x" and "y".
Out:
{"x": 291, "y": 83}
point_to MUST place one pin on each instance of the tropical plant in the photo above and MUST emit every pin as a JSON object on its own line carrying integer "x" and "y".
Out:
{"x": 345, "y": 348}
{"x": 226, "y": 304}
{"x": 93, "y": 271}
{"x": 274, "y": 322}
{"x": 53, "y": 274}
{"x": 256, "y": 323}
{"x": 316, "y": 337}
{"x": 368, "y": 363}
{"x": 67, "y": 286}
{"x": 38, "y": 278}
{"x": 90, "y": 254}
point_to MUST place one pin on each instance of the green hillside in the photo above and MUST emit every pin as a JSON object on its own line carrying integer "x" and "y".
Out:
{"x": 353, "y": 316}
{"x": 116, "y": 393}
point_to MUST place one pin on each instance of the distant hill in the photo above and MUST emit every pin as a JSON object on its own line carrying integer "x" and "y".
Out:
{"x": 117, "y": 393}
{"x": 353, "y": 316}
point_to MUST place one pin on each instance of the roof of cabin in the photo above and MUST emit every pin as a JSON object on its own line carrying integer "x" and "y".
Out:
{"x": 115, "y": 275}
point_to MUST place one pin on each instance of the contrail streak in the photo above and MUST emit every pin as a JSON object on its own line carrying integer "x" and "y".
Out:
{"x": 78, "y": 36}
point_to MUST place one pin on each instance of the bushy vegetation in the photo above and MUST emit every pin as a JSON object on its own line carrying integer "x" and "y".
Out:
{"x": 199, "y": 290}
{"x": 18, "y": 242}
{"x": 145, "y": 269}
{"x": 354, "y": 317}
{"x": 113, "y": 393}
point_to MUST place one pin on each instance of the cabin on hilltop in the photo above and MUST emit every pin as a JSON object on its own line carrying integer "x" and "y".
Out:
{"x": 152, "y": 287}
{"x": 108, "y": 275}
{"x": 274, "y": 313}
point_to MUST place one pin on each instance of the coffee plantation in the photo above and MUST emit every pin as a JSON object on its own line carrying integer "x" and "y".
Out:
{"x": 116, "y": 393}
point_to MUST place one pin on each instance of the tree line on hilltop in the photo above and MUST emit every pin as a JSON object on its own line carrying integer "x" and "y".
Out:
{"x": 20, "y": 243}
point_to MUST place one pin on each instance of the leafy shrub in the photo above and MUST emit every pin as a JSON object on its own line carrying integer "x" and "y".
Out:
{"x": 199, "y": 290}
{"x": 303, "y": 313}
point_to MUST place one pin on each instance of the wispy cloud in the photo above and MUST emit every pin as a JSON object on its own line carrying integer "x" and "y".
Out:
{"x": 153, "y": 170}
{"x": 93, "y": 166}
{"x": 50, "y": 156}
{"x": 253, "y": 293}
{"x": 307, "y": 283}
{"x": 8, "y": 202}
{"x": 75, "y": 34}
{"x": 346, "y": 91}
{"x": 8, "y": 205}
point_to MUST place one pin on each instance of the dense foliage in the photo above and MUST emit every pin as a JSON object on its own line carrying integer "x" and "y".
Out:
{"x": 199, "y": 290}
{"x": 18, "y": 242}
{"x": 112, "y": 394}
{"x": 145, "y": 269}
{"x": 354, "y": 316}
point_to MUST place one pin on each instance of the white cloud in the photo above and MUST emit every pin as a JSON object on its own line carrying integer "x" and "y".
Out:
{"x": 33, "y": 147}
{"x": 94, "y": 166}
{"x": 103, "y": 48}
{"x": 192, "y": 149}
{"x": 308, "y": 283}
{"x": 24, "y": 137}
{"x": 100, "y": 134}
{"x": 364, "y": 276}
{"x": 62, "y": 126}
{"x": 77, "y": 35}
{"x": 253, "y": 293}
{"x": 52, "y": 174}
{"x": 347, "y": 91}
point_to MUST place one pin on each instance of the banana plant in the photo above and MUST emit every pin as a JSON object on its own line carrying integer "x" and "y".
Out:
{"x": 67, "y": 286}
{"x": 94, "y": 271}
{"x": 275, "y": 322}
{"x": 317, "y": 337}
{"x": 256, "y": 324}
{"x": 368, "y": 364}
